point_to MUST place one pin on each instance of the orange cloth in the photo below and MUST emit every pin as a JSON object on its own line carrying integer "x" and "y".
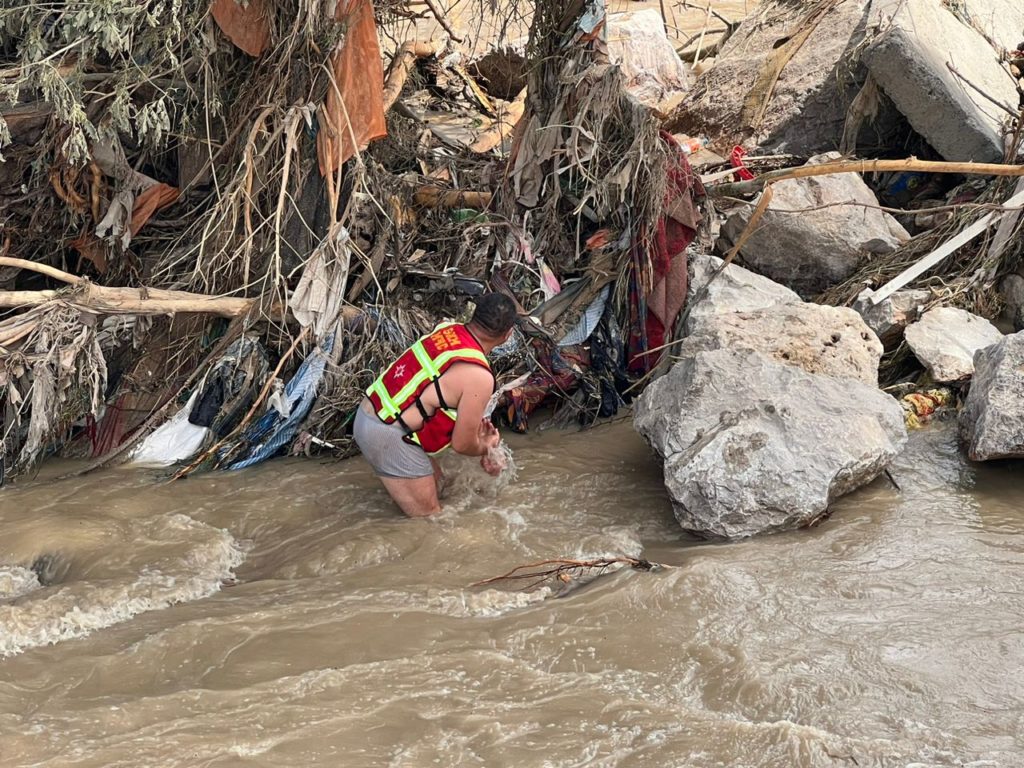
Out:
{"x": 359, "y": 75}
{"x": 149, "y": 202}
{"x": 247, "y": 26}
{"x": 91, "y": 247}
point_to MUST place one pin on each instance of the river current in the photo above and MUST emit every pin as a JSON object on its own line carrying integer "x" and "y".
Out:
{"x": 289, "y": 616}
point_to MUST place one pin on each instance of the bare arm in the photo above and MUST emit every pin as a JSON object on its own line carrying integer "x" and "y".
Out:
{"x": 473, "y": 435}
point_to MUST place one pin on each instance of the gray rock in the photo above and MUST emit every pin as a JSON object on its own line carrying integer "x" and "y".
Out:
{"x": 811, "y": 236}
{"x": 1000, "y": 20}
{"x": 992, "y": 419}
{"x": 908, "y": 59}
{"x": 1012, "y": 290}
{"x": 890, "y": 316}
{"x": 834, "y": 341}
{"x": 735, "y": 290}
{"x": 945, "y": 340}
{"x": 807, "y": 110}
{"x": 751, "y": 446}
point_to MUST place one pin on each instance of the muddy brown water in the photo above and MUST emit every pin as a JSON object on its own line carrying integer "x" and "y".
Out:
{"x": 890, "y": 635}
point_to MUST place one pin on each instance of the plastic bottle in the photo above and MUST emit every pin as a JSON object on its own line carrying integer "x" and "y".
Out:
{"x": 691, "y": 144}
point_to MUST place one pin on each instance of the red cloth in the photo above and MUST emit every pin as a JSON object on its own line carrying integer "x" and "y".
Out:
{"x": 736, "y": 161}
{"x": 557, "y": 375}
{"x": 676, "y": 229}
{"x": 108, "y": 432}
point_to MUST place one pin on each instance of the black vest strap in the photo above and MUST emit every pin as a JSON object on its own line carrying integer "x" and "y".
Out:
{"x": 422, "y": 409}
{"x": 440, "y": 397}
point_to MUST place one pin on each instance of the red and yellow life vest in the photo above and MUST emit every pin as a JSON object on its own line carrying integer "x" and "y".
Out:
{"x": 419, "y": 367}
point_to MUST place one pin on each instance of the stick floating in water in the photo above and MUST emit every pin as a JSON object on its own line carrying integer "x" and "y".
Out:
{"x": 564, "y": 569}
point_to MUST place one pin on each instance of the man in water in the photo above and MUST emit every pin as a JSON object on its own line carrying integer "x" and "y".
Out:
{"x": 432, "y": 397}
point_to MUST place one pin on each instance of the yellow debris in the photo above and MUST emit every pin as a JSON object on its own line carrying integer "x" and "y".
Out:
{"x": 918, "y": 407}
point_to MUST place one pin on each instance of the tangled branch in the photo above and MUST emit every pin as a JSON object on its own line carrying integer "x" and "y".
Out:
{"x": 565, "y": 570}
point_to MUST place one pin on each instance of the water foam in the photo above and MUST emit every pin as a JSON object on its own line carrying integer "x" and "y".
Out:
{"x": 16, "y": 581}
{"x": 465, "y": 482}
{"x": 486, "y": 603}
{"x": 75, "y": 609}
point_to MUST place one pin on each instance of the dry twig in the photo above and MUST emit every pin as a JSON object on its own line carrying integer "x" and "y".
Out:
{"x": 564, "y": 570}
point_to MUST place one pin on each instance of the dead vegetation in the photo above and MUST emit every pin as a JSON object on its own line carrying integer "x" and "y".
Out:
{"x": 179, "y": 159}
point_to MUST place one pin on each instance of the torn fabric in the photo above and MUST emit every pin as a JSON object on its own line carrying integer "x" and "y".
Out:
{"x": 158, "y": 196}
{"x": 354, "y": 108}
{"x": 657, "y": 311}
{"x": 247, "y": 26}
{"x": 318, "y": 298}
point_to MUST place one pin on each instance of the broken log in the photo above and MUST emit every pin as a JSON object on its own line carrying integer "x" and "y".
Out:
{"x": 401, "y": 65}
{"x": 430, "y": 196}
{"x": 862, "y": 166}
{"x": 105, "y": 300}
{"x": 117, "y": 301}
{"x": 129, "y": 301}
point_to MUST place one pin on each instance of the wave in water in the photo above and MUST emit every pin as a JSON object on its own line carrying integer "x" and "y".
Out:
{"x": 201, "y": 558}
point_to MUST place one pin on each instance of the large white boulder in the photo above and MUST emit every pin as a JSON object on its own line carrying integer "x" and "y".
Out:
{"x": 752, "y": 446}
{"x": 913, "y": 56}
{"x": 734, "y": 289}
{"x": 1001, "y": 20}
{"x": 834, "y": 341}
{"x": 807, "y": 110}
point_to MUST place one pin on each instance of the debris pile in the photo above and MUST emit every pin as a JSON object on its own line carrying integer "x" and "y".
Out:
{"x": 219, "y": 220}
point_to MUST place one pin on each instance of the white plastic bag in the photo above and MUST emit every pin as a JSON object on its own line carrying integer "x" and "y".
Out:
{"x": 171, "y": 442}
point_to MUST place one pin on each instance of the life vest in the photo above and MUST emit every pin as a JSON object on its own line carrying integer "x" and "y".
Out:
{"x": 419, "y": 367}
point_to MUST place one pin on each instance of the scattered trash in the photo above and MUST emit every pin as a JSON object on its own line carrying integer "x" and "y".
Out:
{"x": 689, "y": 145}
{"x": 919, "y": 407}
{"x": 213, "y": 409}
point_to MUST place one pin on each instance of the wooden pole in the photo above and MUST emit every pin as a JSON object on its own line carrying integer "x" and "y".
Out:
{"x": 130, "y": 301}
{"x": 117, "y": 301}
{"x": 434, "y": 197}
{"x": 400, "y": 67}
{"x": 862, "y": 166}
{"x": 42, "y": 269}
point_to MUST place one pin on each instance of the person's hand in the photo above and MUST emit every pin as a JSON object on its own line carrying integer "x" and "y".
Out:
{"x": 491, "y": 467}
{"x": 488, "y": 434}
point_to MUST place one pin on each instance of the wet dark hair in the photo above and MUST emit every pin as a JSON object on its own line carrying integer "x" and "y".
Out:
{"x": 495, "y": 313}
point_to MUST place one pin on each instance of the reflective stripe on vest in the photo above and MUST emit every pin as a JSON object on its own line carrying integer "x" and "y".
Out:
{"x": 405, "y": 380}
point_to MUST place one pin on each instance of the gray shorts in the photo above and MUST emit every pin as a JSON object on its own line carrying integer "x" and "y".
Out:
{"x": 387, "y": 452}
